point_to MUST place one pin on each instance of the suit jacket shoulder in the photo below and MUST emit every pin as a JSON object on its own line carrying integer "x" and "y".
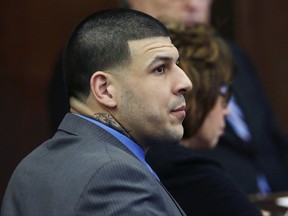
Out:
{"x": 84, "y": 170}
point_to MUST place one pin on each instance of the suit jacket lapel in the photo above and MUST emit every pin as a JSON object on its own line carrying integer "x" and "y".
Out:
{"x": 177, "y": 205}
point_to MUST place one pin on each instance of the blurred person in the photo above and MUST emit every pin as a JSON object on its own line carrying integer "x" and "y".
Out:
{"x": 253, "y": 150}
{"x": 199, "y": 184}
{"x": 188, "y": 12}
{"x": 94, "y": 164}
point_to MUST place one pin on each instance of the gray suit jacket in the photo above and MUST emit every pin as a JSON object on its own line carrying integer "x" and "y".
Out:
{"x": 83, "y": 170}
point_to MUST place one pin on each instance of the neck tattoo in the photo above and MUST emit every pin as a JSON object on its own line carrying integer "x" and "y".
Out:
{"x": 110, "y": 121}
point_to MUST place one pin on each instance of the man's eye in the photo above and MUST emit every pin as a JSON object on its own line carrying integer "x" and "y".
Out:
{"x": 160, "y": 69}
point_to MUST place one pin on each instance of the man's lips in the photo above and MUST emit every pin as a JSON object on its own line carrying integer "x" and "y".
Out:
{"x": 179, "y": 111}
{"x": 180, "y": 108}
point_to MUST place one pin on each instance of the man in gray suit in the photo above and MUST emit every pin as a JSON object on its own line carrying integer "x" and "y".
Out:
{"x": 126, "y": 94}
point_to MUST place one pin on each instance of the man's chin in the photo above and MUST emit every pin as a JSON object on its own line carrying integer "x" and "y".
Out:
{"x": 178, "y": 134}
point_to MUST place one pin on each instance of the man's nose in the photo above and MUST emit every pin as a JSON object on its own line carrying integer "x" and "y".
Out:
{"x": 186, "y": 84}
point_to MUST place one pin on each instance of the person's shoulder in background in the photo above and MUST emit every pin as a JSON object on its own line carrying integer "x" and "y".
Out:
{"x": 198, "y": 184}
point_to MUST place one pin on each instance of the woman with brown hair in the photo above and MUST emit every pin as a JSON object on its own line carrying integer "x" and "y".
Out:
{"x": 199, "y": 184}
{"x": 207, "y": 61}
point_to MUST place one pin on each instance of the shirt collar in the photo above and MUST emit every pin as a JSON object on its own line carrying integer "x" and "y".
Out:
{"x": 130, "y": 144}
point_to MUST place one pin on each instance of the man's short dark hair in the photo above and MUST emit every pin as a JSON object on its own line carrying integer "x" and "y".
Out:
{"x": 100, "y": 42}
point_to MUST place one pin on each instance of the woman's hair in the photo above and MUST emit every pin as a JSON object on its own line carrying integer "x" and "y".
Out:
{"x": 207, "y": 61}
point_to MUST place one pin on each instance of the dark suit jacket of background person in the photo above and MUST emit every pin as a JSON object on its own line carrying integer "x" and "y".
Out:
{"x": 200, "y": 185}
{"x": 268, "y": 150}
{"x": 84, "y": 170}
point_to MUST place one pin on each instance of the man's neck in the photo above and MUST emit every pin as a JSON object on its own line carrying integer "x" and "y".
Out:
{"x": 106, "y": 118}
{"x": 110, "y": 121}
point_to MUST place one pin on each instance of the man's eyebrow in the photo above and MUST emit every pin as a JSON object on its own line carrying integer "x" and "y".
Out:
{"x": 162, "y": 58}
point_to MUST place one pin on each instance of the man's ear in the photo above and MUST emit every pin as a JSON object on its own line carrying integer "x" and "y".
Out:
{"x": 102, "y": 88}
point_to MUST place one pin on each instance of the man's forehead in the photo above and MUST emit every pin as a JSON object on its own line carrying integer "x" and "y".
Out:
{"x": 151, "y": 45}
